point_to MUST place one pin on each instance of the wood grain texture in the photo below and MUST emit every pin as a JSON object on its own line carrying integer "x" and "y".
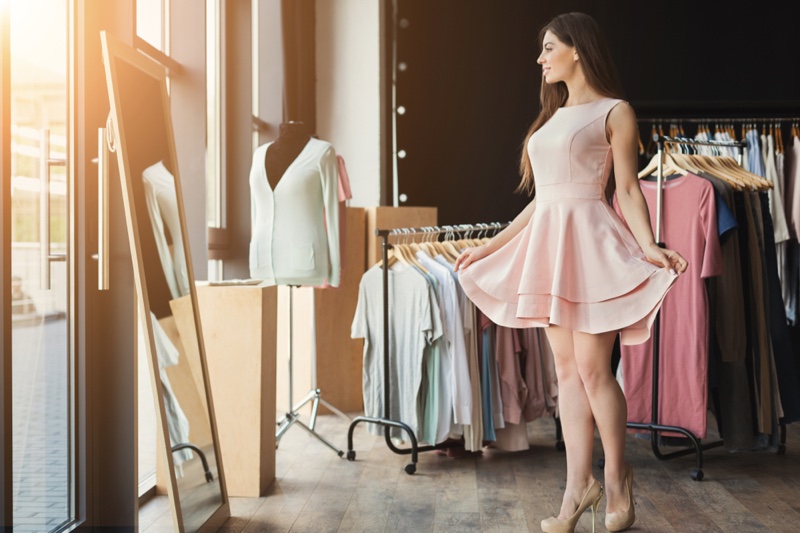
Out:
{"x": 239, "y": 331}
{"x": 392, "y": 218}
{"x": 502, "y": 491}
{"x": 339, "y": 358}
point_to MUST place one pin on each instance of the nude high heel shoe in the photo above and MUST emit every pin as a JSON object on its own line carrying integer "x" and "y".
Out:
{"x": 623, "y": 519}
{"x": 590, "y": 499}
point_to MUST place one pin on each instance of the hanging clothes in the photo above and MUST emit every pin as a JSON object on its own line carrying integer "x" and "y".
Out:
{"x": 689, "y": 227}
{"x": 460, "y": 384}
{"x": 754, "y": 161}
{"x": 442, "y": 387}
{"x": 415, "y": 324}
{"x": 781, "y": 229}
{"x": 785, "y": 370}
{"x": 344, "y": 196}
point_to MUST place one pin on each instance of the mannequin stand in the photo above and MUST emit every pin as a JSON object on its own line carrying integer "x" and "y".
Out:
{"x": 315, "y": 396}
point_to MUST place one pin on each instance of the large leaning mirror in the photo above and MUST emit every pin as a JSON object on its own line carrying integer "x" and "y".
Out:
{"x": 168, "y": 312}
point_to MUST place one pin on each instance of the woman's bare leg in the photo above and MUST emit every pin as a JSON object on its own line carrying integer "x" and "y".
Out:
{"x": 577, "y": 422}
{"x": 610, "y": 411}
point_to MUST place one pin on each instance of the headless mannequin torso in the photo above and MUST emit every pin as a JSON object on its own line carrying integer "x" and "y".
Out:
{"x": 292, "y": 138}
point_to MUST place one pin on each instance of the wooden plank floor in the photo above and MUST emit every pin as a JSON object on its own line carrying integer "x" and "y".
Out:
{"x": 316, "y": 491}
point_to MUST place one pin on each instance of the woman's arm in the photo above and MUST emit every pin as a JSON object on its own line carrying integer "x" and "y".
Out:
{"x": 470, "y": 255}
{"x": 623, "y": 136}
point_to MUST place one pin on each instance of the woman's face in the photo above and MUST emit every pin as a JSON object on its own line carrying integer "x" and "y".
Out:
{"x": 558, "y": 60}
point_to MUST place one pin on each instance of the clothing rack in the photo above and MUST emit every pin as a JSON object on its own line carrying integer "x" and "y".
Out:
{"x": 695, "y": 120}
{"x": 653, "y": 426}
{"x": 386, "y": 421}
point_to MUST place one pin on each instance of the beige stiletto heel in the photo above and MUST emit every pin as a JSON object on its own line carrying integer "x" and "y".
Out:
{"x": 622, "y": 520}
{"x": 595, "y": 506}
{"x": 591, "y": 499}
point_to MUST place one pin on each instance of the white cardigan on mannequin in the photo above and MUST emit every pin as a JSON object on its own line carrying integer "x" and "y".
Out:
{"x": 295, "y": 228}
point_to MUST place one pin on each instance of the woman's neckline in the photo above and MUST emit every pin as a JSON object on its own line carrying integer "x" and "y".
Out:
{"x": 585, "y": 103}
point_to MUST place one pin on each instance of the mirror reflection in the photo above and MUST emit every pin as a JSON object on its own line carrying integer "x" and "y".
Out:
{"x": 146, "y": 145}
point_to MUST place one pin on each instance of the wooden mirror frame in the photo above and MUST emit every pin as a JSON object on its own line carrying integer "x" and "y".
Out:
{"x": 114, "y": 50}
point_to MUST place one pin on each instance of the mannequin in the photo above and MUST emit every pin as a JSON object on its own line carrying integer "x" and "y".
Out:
{"x": 295, "y": 225}
{"x": 292, "y": 138}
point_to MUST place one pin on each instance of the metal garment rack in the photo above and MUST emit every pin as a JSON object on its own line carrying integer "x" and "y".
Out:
{"x": 386, "y": 421}
{"x": 721, "y": 120}
{"x": 653, "y": 426}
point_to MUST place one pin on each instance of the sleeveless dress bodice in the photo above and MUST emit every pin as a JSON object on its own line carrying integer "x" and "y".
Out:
{"x": 576, "y": 264}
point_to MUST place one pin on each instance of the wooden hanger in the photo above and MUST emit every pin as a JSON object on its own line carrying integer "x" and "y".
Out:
{"x": 436, "y": 247}
{"x": 446, "y": 247}
{"x": 685, "y": 161}
{"x": 757, "y": 181}
{"x": 402, "y": 253}
{"x": 729, "y": 167}
{"x": 651, "y": 144}
{"x": 670, "y": 166}
{"x": 407, "y": 253}
{"x": 709, "y": 166}
{"x": 427, "y": 245}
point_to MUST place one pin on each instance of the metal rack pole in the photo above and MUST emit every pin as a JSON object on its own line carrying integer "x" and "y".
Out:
{"x": 696, "y": 120}
{"x": 386, "y": 421}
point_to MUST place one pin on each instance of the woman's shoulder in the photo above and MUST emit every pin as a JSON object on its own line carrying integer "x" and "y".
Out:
{"x": 620, "y": 112}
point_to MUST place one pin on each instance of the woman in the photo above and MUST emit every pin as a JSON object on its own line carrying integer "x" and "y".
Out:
{"x": 570, "y": 264}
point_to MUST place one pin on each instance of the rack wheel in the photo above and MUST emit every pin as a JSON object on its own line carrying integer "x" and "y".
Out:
{"x": 560, "y": 445}
{"x": 351, "y": 455}
{"x": 781, "y": 449}
{"x": 697, "y": 474}
{"x": 411, "y": 468}
{"x": 601, "y": 463}
{"x": 340, "y": 453}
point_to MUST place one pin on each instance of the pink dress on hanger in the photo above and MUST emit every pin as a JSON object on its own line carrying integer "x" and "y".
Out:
{"x": 576, "y": 264}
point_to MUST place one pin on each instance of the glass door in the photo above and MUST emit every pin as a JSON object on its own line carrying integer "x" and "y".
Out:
{"x": 41, "y": 377}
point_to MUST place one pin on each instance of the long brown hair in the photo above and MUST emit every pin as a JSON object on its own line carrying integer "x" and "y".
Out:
{"x": 581, "y": 31}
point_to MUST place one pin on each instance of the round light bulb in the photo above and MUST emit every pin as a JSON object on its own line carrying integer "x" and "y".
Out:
{"x": 401, "y": 154}
{"x": 401, "y": 110}
{"x": 403, "y": 197}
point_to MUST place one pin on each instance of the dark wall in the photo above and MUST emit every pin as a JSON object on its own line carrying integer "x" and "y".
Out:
{"x": 471, "y": 86}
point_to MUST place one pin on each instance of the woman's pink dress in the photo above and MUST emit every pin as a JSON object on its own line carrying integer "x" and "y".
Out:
{"x": 576, "y": 264}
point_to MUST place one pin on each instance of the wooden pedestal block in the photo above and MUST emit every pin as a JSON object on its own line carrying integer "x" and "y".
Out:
{"x": 239, "y": 330}
{"x": 391, "y": 218}
{"x": 340, "y": 358}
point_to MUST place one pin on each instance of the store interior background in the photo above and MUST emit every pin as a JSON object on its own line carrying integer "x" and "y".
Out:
{"x": 470, "y": 91}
